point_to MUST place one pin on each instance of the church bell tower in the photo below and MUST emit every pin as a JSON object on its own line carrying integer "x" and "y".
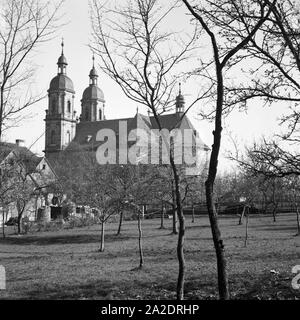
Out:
{"x": 60, "y": 115}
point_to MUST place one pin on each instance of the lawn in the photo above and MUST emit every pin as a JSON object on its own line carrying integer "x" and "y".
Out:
{"x": 66, "y": 264}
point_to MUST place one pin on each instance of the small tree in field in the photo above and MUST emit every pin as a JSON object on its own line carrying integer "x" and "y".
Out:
{"x": 7, "y": 186}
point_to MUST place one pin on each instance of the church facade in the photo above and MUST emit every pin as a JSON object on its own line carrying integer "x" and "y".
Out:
{"x": 64, "y": 128}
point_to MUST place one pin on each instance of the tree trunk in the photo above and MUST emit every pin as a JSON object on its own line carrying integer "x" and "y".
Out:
{"x": 298, "y": 221}
{"x": 246, "y": 234}
{"x": 174, "y": 211}
{"x": 218, "y": 243}
{"x": 274, "y": 203}
{"x": 209, "y": 188}
{"x": 19, "y": 226}
{"x": 242, "y": 216}
{"x": 1, "y": 109}
{"x": 181, "y": 235}
{"x": 193, "y": 213}
{"x": 140, "y": 241}
{"x": 174, "y": 220}
{"x": 102, "y": 236}
{"x": 144, "y": 211}
{"x": 20, "y": 208}
{"x": 162, "y": 218}
{"x": 3, "y": 221}
{"x": 120, "y": 223}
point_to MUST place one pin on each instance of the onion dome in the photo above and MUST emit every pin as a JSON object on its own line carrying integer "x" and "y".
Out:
{"x": 93, "y": 92}
{"x": 62, "y": 81}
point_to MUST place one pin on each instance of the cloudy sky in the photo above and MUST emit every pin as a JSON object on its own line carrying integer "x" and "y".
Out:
{"x": 77, "y": 34}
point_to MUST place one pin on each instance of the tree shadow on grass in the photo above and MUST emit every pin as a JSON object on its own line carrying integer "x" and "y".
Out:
{"x": 276, "y": 228}
{"x": 61, "y": 239}
{"x": 100, "y": 290}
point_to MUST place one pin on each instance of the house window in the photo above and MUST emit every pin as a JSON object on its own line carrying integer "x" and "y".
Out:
{"x": 44, "y": 167}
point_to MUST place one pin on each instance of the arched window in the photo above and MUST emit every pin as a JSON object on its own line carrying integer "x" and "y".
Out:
{"x": 100, "y": 114}
{"x": 69, "y": 106}
{"x": 68, "y": 137}
{"x": 53, "y": 106}
{"x": 62, "y": 103}
{"x": 52, "y": 137}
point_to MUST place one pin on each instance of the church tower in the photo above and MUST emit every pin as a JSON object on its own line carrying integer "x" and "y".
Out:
{"x": 60, "y": 115}
{"x": 93, "y": 102}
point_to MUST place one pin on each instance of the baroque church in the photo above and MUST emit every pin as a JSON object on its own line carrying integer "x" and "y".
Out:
{"x": 64, "y": 127}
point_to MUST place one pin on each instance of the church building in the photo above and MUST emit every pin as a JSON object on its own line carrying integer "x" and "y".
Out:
{"x": 64, "y": 127}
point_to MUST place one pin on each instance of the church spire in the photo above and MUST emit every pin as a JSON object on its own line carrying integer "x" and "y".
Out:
{"x": 180, "y": 103}
{"x": 62, "y": 61}
{"x": 93, "y": 74}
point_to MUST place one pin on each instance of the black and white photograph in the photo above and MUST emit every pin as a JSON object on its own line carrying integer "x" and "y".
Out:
{"x": 149, "y": 152}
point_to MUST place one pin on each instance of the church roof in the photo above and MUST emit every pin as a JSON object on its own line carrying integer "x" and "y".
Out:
{"x": 93, "y": 93}
{"x": 86, "y": 132}
{"x": 61, "y": 82}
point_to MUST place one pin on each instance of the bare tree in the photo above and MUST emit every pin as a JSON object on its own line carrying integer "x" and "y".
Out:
{"x": 7, "y": 186}
{"x": 219, "y": 20}
{"x": 275, "y": 70}
{"x": 275, "y": 180}
{"x": 25, "y": 24}
{"x": 270, "y": 159}
{"x": 143, "y": 60}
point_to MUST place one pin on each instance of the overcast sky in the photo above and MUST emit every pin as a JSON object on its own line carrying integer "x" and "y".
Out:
{"x": 77, "y": 34}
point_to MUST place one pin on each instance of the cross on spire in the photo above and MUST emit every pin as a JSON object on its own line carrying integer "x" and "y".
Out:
{"x": 62, "y": 45}
{"x": 93, "y": 60}
{"x": 179, "y": 87}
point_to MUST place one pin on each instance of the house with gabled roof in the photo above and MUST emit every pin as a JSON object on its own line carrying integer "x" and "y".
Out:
{"x": 17, "y": 160}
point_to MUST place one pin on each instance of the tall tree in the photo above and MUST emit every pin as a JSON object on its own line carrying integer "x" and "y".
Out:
{"x": 25, "y": 24}
{"x": 143, "y": 58}
{"x": 219, "y": 20}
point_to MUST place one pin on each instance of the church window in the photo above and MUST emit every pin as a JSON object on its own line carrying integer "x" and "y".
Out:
{"x": 53, "y": 106}
{"x": 100, "y": 114}
{"x": 62, "y": 103}
{"x": 52, "y": 137}
{"x": 69, "y": 106}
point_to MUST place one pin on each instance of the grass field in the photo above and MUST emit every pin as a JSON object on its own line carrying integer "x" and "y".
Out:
{"x": 66, "y": 264}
